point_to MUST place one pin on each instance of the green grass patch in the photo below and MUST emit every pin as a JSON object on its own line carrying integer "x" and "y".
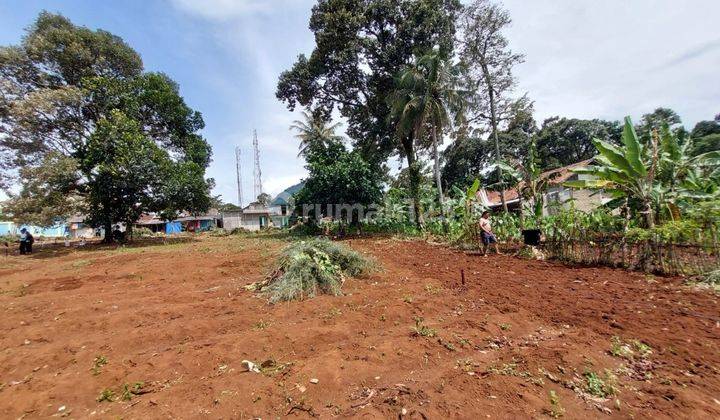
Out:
{"x": 601, "y": 387}
{"x": 98, "y": 363}
{"x": 422, "y": 330}
{"x": 630, "y": 350}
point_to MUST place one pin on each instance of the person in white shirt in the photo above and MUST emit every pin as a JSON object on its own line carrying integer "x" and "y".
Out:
{"x": 486, "y": 233}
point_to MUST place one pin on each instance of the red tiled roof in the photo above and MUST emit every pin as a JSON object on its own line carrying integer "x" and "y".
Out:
{"x": 494, "y": 196}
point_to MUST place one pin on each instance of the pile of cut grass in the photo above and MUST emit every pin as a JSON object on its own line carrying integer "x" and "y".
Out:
{"x": 710, "y": 280}
{"x": 310, "y": 267}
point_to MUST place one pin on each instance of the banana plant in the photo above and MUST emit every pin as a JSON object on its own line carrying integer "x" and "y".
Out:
{"x": 677, "y": 162}
{"x": 528, "y": 181}
{"x": 661, "y": 175}
{"x": 463, "y": 204}
{"x": 629, "y": 170}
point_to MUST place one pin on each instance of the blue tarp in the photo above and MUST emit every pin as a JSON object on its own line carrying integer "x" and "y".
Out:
{"x": 205, "y": 225}
{"x": 173, "y": 227}
{"x": 7, "y": 228}
{"x": 57, "y": 231}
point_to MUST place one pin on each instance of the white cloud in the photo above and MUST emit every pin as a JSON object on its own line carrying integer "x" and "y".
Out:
{"x": 612, "y": 58}
{"x": 229, "y": 9}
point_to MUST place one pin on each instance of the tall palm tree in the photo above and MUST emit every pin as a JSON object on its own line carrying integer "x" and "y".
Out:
{"x": 426, "y": 95}
{"x": 314, "y": 131}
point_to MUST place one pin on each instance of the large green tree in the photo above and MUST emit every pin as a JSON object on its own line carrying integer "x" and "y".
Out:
{"x": 337, "y": 177}
{"x": 653, "y": 121}
{"x": 77, "y": 111}
{"x": 465, "y": 159}
{"x": 706, "y": 136}
{"x": 471, "y": 154}
{"x": 360, "y": 46}
{"x": 564, "y": 141}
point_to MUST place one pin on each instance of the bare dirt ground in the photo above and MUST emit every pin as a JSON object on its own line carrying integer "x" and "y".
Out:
{"x": 162, "y": 331}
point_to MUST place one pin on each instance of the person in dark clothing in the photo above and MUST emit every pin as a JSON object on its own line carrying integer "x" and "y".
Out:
{"x": 26, "y": 242}
{"x": 117, "y": 234}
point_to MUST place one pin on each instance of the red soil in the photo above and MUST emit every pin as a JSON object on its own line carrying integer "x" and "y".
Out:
{"x": 177, "y": 319}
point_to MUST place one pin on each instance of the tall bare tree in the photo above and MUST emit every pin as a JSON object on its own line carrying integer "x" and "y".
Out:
{"x": 486, "y": 58}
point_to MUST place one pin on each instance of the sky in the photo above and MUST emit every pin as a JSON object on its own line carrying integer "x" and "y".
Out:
{"x": 583, "y": 59}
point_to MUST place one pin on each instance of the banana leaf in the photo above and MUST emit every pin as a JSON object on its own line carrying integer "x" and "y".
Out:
{"x": 616, "y": 157}
{"x": 632, "y": 148}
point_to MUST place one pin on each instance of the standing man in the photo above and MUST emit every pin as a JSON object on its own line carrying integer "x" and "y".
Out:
{"x": 486, "y": 233}
{"x": 26, "y": 242}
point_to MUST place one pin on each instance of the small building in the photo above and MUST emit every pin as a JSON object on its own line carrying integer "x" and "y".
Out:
{"x": 77, "y": 228}
{"x": 255, "y": 216}
{"x": 7, "y": 228}
{"x": 152, "y": 222}
{"x": 184, "y": 223}
{"x": 282, "y": 206}
{"x": 58, "y": 230}
{"x": 201, "y": 223}
{"x": 558, "y": 195}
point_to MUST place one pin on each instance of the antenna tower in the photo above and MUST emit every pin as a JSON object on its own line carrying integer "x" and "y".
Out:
{"x": 256, "y": 172}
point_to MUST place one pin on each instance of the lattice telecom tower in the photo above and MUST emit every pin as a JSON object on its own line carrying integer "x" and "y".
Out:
{"x": 257, "y": 172}
{"x": 238, "y": 168}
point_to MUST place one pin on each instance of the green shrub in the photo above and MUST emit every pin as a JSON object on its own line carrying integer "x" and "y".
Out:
{"x": 306, "y": 268}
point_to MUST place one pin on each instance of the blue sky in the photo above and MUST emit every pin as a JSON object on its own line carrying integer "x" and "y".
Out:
{"x": 584, "y": 59}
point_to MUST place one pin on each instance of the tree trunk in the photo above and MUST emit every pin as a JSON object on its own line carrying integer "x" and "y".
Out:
{"x": 626, "y": 225}
{"x": 414, "y": 172}
{"x": 128, "y": 231}
{"x": 521, "y": 216}
{"x": 438, "y": 181}
{"x": 494, "y": 124}
{"x": 107, "y": 225}
{"x": 649, "y": 216}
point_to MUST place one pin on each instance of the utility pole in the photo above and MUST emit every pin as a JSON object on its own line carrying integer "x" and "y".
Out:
{"x": 238, "y": 170}
{"x": 256, "y": 172}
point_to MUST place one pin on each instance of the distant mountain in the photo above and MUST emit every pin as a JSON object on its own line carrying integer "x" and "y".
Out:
{"x": 283, "y": 198}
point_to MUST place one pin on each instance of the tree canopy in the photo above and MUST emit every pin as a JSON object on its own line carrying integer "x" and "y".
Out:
{"x": 564, "y": 141}
{"x": 338, "y": 177}
{"x": 360, "y": 47}
{"x": 706, "y": 136}
{"x": 79, "y": 115}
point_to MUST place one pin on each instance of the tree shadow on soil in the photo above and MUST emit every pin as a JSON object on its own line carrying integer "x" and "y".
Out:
{"x": 58, "y": 249}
